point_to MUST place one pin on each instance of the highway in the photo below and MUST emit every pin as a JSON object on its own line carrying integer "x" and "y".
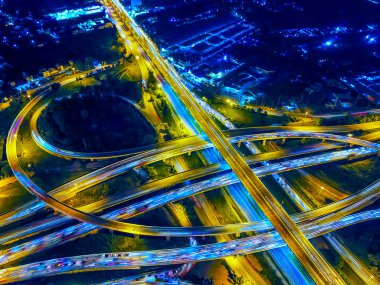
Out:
{"x": 173, "y": 148}
{"x": 68, "y": 190}
{"x": 329, "y": 213}
{"x": 293, "y": 230}
{"x": 117, "y": 168}
{"x": 173, "y": 256}
{"x": 38, "y": 243}
{"x": 305, "y": 205}
{"x": 318, "y": 268}
{"x": 46, "y": 146}
{"x": 34, "y": 120}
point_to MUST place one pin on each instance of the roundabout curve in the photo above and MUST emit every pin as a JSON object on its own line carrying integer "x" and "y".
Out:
{"x": 103, "y": 222}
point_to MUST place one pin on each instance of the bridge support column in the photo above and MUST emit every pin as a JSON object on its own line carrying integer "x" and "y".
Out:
{"x": 264, "y": 142}
{"x": 189, "y": 153}
{"x": 324, "y": 140}
{"x": 137, "y": 236}
{"x": 351, "y": 144}
{"x": 167, "y": 238}
{"x": 237, "y": 235}
{"x": 239, "y": 144}
{"x": 378, "y": 153}
{"x": 283, "y": 141}
{"x": 303, "y": 140}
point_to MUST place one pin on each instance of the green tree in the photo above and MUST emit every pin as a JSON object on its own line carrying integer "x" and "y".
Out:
{"x": 151, "y": 82}
{"x": 5, "y": 170}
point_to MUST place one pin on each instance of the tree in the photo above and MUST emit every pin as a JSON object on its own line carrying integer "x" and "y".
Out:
{"x": 152, "y": 81}
{"x": 5, "y": 170}
{"x": 55, "y": 86}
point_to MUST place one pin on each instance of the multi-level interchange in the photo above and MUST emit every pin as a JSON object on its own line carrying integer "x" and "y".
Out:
{"x": 279, "y": 229}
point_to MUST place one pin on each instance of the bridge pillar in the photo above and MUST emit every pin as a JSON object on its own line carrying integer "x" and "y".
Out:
{"x": 378, "y": 153}
{"x": 189, "y": 153}
{"x": 283, "y": 141}
{"x": 351, "y": 144}
{"x": 303, "y": 140}
{"x": 237, "y": 235}
{"x": 167, "y": 238}
{"x": 239, "y": 144}
{"x": 324, "y": 140}
{"x": 137, "y": 236}
{"x": 264, "y": 142}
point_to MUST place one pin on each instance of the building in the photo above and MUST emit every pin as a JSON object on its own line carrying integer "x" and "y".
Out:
{"x": 136, "y": 3}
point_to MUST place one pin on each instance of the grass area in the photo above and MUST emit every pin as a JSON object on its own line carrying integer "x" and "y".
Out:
{"x": 364, "y": 241}
{"x": 13, "y": 197}
{"x": 5, "y": 170}
{"x": 175, "y": 127}
{"x": 228, "y": 214}
{"x": 92, "y": 123}
{"x": 193, "y": 160}
{"x": 267, "y": 272}
{"x": 280, "y": 194}
{"x": 129, "y": 70}
{"x": 350, "y": 177}
{"x": 337, "y": 261}
{"x": 9, "y": 114}
{"x": 308, "y": 192}
{"x": 160, "y": 169}
{"x": 74, "y": 87}
{"x": 116, "y": 185}
{"x": 348, "y": 120}
{"x": 243, "y": 117}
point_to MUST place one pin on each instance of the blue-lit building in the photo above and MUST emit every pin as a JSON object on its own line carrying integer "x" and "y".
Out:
{"x": 136, "y": 3}
{"x": 77, "y": 13}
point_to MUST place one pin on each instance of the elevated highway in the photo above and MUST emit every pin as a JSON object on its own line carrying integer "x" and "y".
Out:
{"x": 132, "y": 260}
{"x": 295, "y": 232}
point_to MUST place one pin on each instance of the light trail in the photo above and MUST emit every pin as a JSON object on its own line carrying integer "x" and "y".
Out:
{"x": 284, "y": 223}
{"x": 90, "y": 179}
{"x": 318, "y": 268}
{"x": 117, "y": 168}
{"x": 173, "y": 256}
{"x": 244, "y": 133}
{"x": 328, "y": 213}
